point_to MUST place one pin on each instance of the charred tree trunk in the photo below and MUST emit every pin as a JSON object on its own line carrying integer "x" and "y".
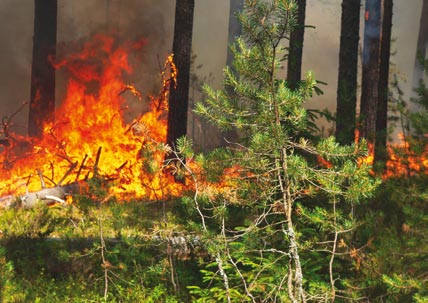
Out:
{"x": 294, "y": 66}
{"x": 42, "y": 100}
{"x": 371, "y": 62}
{"x": 348, "y": 67}
{"x": 421, "y": 47}
{"x": 182, "y": 47}
{"x": 380, "y": 155}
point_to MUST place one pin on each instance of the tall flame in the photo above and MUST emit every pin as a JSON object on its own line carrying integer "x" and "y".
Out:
{"x": 90, "y": 119}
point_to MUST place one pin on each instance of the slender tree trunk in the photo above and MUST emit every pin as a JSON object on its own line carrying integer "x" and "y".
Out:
{"x": 179, "y": 94}
{"x": 348, "y": 70}
{"x": 235, "y": 28}
{"x": 294, "y": 67}
{"x": 422, "y": 45}
{"x": 42, "y": 100}
{"x": 380, "y": 155}
{"x": 371, "y": 62}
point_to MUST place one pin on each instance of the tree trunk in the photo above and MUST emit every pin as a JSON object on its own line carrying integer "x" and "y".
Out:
{"x": 182, "y": 47}
{"x": 421, "y": 47}
{"x": 42, "y": 100}
{"x": 348, "y": 67}
{"x": 235, "y": 30}
{"x": 294, "y": 66}
{"x": 380, "y": 155}
{"x": 371, "y": 62}
{"x": 235, "y": 27}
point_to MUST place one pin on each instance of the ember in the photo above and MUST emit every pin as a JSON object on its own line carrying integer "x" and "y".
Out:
{"x": 90, "y": 137}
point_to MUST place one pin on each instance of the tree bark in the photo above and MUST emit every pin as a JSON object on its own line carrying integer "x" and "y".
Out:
{"x": 380, "y": 155}
{"x": 370, "y": 77}
{"x": 294, "y": 66}
{"x": 179, "y": 93}
{"x": 348, "y": 70}
{"x": 42, "y": 100}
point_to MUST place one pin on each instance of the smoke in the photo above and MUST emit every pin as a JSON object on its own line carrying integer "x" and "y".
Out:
{"x": 127, "y": 20}
{"x": 153, "y": 20}
{"x": 16, "y": 32}
{"x": 78, "y": 21}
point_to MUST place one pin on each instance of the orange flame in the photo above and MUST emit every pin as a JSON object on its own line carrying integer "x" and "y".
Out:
{"x": 90, "y": 117}
{"x": 401, "y": 160}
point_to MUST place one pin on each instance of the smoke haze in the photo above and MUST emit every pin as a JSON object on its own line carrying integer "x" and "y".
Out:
{"x": 153, "y": 20}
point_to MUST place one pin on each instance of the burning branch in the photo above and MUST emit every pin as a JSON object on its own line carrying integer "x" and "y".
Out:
{"x": 6, "y": 122}
{"x": 91, "y": 114}
{"x": 59, "y": 192}
{"x": 133, "y": 90}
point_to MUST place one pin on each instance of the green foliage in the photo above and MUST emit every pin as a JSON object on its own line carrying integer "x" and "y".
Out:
{"x": 54, "y": 254}
{"x": 394, "y": 265}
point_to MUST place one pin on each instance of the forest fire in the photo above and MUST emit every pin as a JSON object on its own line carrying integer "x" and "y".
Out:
{"x": 401, "y": 160}
{"x": 90, "y": 138}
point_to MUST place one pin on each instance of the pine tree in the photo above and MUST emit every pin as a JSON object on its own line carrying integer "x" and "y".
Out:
{"x": 42, "y": 101}
{"x": 283, "y": 203}
{"x": 380, "y": 155}
{"x": 370, "y": 74}
{"x": 347, "y": 77}
{"x": 179, "y": 92}
{"x": 294, "y": 66}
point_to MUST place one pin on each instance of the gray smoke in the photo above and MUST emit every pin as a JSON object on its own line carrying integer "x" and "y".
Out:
{"x": 154, "y": 19}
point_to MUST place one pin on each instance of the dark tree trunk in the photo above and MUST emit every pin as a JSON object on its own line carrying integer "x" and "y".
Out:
{"x": 348, "y": 67}
{"x": 235, "y": 27}
{"x": 380, "y": 155}
{"x": 294, "y": 66}
{"x": 421, "y": 47}
{"x": 42, "y": 100}
{"x": 370, "y": 79}
{"x": 179, "y": 95}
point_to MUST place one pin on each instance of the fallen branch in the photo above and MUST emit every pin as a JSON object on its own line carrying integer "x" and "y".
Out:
{"x": 59, "y": 192}
{"x": 52, "y": 195}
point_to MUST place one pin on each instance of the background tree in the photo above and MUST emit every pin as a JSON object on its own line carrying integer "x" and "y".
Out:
{"x": 422, "y": 43}
{"x": 294, "y": 66}
{"x": 348, "y": 65}
{"x": 370, "y": 74}
{"x": 380, "y": 155}
{"x": 179, "y": 92}
{"x": 42, "y": 100}
{"x": 235, "y": 28}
